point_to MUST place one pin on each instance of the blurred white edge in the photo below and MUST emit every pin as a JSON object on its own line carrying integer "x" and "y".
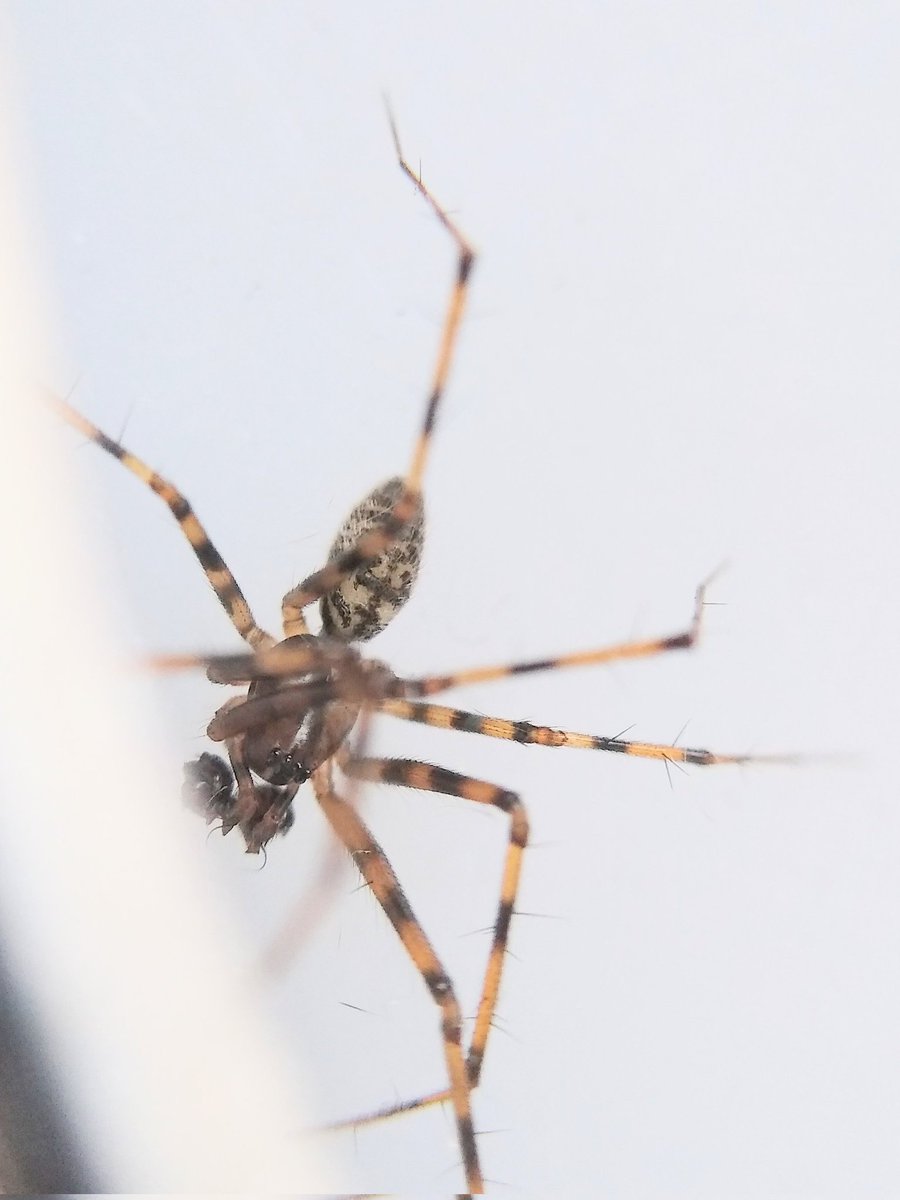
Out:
{"x": 168, "y": 1066}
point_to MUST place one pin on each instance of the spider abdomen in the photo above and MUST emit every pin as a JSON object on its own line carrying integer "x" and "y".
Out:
{"x": 370, "y": 597}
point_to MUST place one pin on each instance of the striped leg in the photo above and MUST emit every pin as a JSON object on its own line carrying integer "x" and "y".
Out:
{"x": 408, "y": 504}
{"x": 428, "y": 685}
{"x": 426, "y": 778}
{"x": 220, "y": 577}
{"x": 379, "y": 875}
{"x": 542, "y": 735}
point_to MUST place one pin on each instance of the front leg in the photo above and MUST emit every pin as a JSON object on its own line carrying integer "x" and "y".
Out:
{"x": 261, "y": 810}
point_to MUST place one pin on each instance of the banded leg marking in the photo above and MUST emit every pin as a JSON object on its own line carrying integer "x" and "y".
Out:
{"x": 542, "y": 735}
{"x": 379, "y": 875}
{"x": 427, "y": 778}
{"x": 429, "y": 685}
{"x": 375, "y": 543}
{"x": 214, "y": 567}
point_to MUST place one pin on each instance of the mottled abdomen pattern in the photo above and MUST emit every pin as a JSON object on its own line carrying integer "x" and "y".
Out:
{"x": 364, "y": 603}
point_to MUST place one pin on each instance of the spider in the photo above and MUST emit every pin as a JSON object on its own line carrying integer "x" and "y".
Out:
{"x": 306, "y": 693}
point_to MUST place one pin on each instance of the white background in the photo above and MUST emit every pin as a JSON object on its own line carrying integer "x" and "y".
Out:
{"x": 682, "y": 347}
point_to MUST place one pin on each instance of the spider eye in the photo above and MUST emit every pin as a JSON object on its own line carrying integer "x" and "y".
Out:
{"x": 292, "y": 766}
{"x": 282, "y": 767}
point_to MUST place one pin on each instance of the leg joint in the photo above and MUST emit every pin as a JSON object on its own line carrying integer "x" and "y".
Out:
{"x": 511, "y": 803}
{"x": 440, "y": 986}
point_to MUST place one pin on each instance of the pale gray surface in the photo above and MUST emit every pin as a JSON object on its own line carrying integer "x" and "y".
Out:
{"x": 681, "y": 348}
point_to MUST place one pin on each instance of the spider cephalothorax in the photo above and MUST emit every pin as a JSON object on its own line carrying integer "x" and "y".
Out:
{"x": 304, "y": 697}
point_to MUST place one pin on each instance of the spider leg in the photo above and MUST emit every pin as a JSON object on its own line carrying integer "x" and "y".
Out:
{"x": 379, "y": 875}
{"x": 408, "y": 504}
{"x": 528, "y": 734}
{"x": 430, "y": 684}
{"x": 220, "y": 577}
{"x": 426, "y": 778}
{"x": 245, "y": 803}
{"x": 300, "y": 656}
{"x": 358, "y": 681}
